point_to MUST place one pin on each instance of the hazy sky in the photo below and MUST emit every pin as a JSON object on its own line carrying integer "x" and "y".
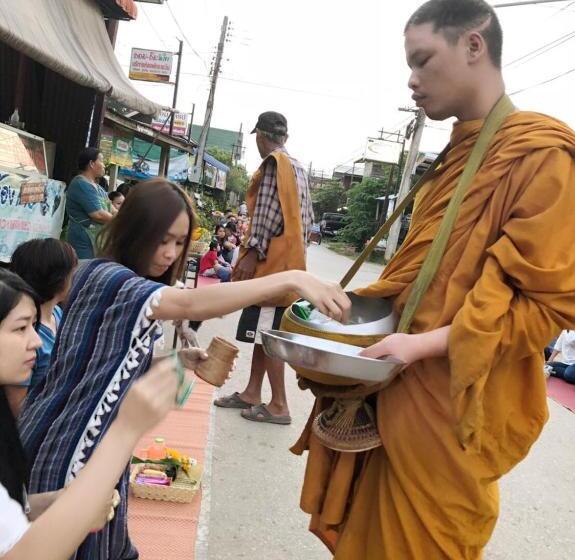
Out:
{"x": 335, "y": 69}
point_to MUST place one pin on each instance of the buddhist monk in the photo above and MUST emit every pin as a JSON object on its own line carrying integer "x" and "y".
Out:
{"x": 471, "y": 401}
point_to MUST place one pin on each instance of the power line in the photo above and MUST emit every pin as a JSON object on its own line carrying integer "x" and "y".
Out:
{"x": 564, "y": 8}
{"x": 271, "y": 86}
{"x": 185, "y": 37}
{"x": 542, "y": 49}
{"x": 544, "y": 82}
{"x": 154, "y": 28}
{"x": 262, "y": 84}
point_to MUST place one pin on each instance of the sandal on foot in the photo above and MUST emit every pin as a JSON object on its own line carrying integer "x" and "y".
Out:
{"x": 259, "y": 413}
{"x": 232, "y": 401}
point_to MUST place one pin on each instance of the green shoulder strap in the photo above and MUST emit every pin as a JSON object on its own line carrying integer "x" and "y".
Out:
{"x": 431, "y": 263}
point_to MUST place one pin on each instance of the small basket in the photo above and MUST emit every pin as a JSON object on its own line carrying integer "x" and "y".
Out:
{"x": 182, "y": 490}
{"x": 349, "y": 425}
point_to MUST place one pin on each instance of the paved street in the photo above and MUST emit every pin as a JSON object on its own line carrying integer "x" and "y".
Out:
{"x": 251, "y": 497}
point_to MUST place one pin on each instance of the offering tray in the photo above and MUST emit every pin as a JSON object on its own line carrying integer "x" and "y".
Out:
{"x": 330, "y": 357}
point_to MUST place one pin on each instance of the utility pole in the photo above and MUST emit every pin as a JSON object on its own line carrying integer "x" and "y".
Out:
{"x": 176, "y": 85}
{"x": 237, "y": 147}
{"x": 191, "y": 123}
{"x": 199, "y": 160}
{"x": 393, "y": 236}
{"x": 165, "y": 155}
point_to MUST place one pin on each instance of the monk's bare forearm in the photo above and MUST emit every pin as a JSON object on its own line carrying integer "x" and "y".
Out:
{"x": 410, "y": 348}
{"x": 432, "y": 344}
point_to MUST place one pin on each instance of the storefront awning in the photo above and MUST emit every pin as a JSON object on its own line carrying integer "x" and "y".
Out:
{"x": 119, "y": 9}
{"x": 70, "y": 38}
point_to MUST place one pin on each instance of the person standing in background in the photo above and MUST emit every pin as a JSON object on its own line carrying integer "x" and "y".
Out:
{"x": 87, "y": 204}
{"x": 279, "y": 202}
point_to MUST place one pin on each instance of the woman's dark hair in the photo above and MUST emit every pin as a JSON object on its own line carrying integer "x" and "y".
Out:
{"x": 86, "y": 156}
{"x": 132, "y": 237}
{"x": 13, "y": 468}
{"x": 114, "y": 195}
{"x": 218, "y": 227}
{"x": 45, "y": 264}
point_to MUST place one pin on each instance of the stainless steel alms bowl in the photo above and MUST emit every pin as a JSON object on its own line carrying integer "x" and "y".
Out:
{"x": 326, "y": 356}
{"x": 368, "y": 316}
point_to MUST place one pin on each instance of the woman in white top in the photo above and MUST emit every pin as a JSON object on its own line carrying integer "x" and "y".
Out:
{"x": 564, "y": 350}
{"x": 51, "y": 526}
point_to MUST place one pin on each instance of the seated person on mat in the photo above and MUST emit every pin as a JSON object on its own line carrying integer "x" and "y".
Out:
{"x": 213, "y": 266}
{"x": 565, "y": 345}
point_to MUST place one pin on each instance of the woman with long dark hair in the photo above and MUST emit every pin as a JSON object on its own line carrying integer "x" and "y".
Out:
{"x": 52, "y": 525}
{"x": 110, "y": 324}
{"x": 46, "y": 265}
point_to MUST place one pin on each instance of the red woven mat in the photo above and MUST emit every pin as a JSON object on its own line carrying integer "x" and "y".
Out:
{"x": 164, "y": 530}
{"x": 562, "y": 392}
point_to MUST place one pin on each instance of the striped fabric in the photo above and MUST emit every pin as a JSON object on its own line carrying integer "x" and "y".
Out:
{"x": 103, "y": 345}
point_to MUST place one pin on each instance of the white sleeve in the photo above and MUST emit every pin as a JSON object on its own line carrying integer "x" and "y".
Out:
{"x": 559, "y": 343}
{"x": 13, "y": 522}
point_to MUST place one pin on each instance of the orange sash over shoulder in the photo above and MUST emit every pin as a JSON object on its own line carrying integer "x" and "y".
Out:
{"x": 286, "y": 251}
{"x": 451, "y": 427}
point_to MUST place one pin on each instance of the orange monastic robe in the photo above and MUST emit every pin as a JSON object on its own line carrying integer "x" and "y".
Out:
{"x": 451, "y": 427}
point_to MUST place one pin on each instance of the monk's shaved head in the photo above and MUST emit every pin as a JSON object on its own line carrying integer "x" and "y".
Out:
{"x": 453, "y": 18}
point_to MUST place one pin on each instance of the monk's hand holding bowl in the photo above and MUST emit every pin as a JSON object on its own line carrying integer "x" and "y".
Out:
{"x": 411, "y": 348}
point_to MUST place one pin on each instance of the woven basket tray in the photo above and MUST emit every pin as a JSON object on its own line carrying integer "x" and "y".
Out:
{"x": 182, "y": 490}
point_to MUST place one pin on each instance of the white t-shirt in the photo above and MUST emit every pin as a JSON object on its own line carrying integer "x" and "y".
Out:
{"x": 13, "y": 522}
{"x": 566, "y": 345}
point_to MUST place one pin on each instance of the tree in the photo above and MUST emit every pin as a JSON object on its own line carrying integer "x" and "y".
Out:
{"x": 362, "y": 208}
{"x": 221, "y": 155}
{"x": 328, "y": 198}
{"x": 238, "y": 179}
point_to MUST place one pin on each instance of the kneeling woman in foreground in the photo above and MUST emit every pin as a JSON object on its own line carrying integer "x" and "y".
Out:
{"x": 61, "y": 520}
{"x": 109, "y": 327}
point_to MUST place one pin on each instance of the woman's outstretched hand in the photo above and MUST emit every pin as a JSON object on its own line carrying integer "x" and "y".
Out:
{"x": 328, "y": 297}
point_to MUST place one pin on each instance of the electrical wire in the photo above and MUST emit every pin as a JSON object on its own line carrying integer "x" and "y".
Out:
{"x": 185, "y": 37}
{"x": 271, "y": 86}
{"x": 154, "y": 28}
{"x": 527, "y": 57}
{"x": 549, "y": 80}
{"x": 564, "y": 8}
